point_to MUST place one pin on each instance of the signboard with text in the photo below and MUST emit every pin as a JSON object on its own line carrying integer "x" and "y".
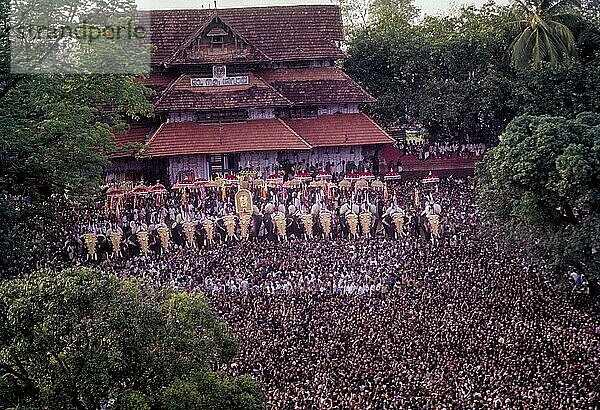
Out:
{"x": 219, "y": 82}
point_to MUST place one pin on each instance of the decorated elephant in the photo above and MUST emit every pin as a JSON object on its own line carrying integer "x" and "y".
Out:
{"x": 307, "y": 223}
{"x": 366, "y": 221}
{"x": 189, "y": 232}
{"x": 245, "y": 222}
{"x": 229, "y": 222}
{"x": 164, "y": 236}
{"x": 209, "y": 229}
{"x": 325, "y": 219}
{"x": 280, "y": 224}
{"x": 398, "y": 220}
{"x": 352, "y": 221}
{"x": 143, "y": 239}
{"x": 116, "y": 239}
{"x": 90, "y": 240}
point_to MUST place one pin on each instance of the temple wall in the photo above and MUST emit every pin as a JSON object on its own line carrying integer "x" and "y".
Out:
{"x": 263, "y": 162}
{"x": 338, "y": 157}
{"x": 181, "y": 166}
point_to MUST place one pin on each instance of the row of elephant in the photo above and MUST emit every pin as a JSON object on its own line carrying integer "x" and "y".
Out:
{"x": 142, "y": 239}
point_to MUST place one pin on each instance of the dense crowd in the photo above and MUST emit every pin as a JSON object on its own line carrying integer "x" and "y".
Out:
{"x": 386, "y": 323}
{"x": 426, "y": 150}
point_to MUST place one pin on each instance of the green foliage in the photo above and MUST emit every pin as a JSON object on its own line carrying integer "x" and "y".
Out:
{"x": 79, "y": 339}
{"x": 446, "y": 73}
{"x": 546, "y": 31}
{"x": 452, "y": 75}
{"x": 557, "y": 89}
{"x": 543, "y": 181}
{"x": 56, "y": 131}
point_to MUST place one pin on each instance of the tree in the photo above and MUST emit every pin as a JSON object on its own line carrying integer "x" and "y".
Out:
{"x": 543, "y": 182}
{"x": 358, "y": 14}
{"x": 79, "y": 339}
{"x": 564, "y": 89}
{"x": 446, "y": 73}
{"x": 56, "y": 128}
{"x": 545, "y": 35}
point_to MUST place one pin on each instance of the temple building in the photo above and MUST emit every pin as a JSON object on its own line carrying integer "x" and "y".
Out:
{"x": 250, "y": 88}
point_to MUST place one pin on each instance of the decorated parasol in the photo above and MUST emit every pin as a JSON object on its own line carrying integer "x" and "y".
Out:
{"x": 115, "y": 192}
{"x": 345, "y": 184}
{"x": 303, "y": 177}
{"x": 361, "y": 184}
{"x": 231, "y": 179}
{"x": 324, "y": 175}
{"x": 158, "y": 189}
{"x": 430, "y": 179}
{"x": 369, "y": 176}
{"x": 352, "y": 177}
{"x": 140, "y": 189}
{"x": 274, "y": 180}
{"x": 377, "y": 185}
{"x": 293, "y": 183}
{"x": 392, "y": 175}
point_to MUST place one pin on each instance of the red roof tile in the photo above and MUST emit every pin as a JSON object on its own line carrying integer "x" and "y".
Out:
{"x": 188, "y": 138}
{"x": 281, "y": 33}
{"x": 340, "y": 130}
{"x": 132, "y": 136}
{"x": 182, "y": 96}
{"x": 328, "y": 85}
{"x": 157, "y": 81}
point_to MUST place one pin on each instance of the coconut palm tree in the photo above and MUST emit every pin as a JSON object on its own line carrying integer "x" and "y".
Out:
{"x": 545, "y": 34}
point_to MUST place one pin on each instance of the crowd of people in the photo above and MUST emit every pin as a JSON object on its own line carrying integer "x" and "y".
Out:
{"x": 388, "y": 322}
{"x": 426, "y": 150}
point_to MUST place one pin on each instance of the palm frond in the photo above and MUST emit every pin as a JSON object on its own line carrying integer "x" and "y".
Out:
{"x": 521, "y": 48}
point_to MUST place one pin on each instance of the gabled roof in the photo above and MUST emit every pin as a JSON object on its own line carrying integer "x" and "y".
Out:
{"x": 327, "y": 85}
{"x": 281, "y": 33}
{"x": 182, "y": 96}
{"x": 254, "y": 55}
{"x": 189, "y": 138}
{"x": 339, "y": 130}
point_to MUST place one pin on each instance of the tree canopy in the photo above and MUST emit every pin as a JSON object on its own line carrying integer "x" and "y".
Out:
{"x": 56, "y": 129}
{"x": 453, "y": 75}
{"x": 78, "y": 339}
{"x": 543, "y": 180}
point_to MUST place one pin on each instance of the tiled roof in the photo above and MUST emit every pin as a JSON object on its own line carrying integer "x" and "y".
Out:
{"x": 157, "y": 81}
{"x": 188, "y": 138}
{"x": 182, "y": 96}
{"x": 328, "y": 85}
{"x": 136, "y": 135}
{"x": 280, "y": 33}
{"x": 340, "y": 130}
